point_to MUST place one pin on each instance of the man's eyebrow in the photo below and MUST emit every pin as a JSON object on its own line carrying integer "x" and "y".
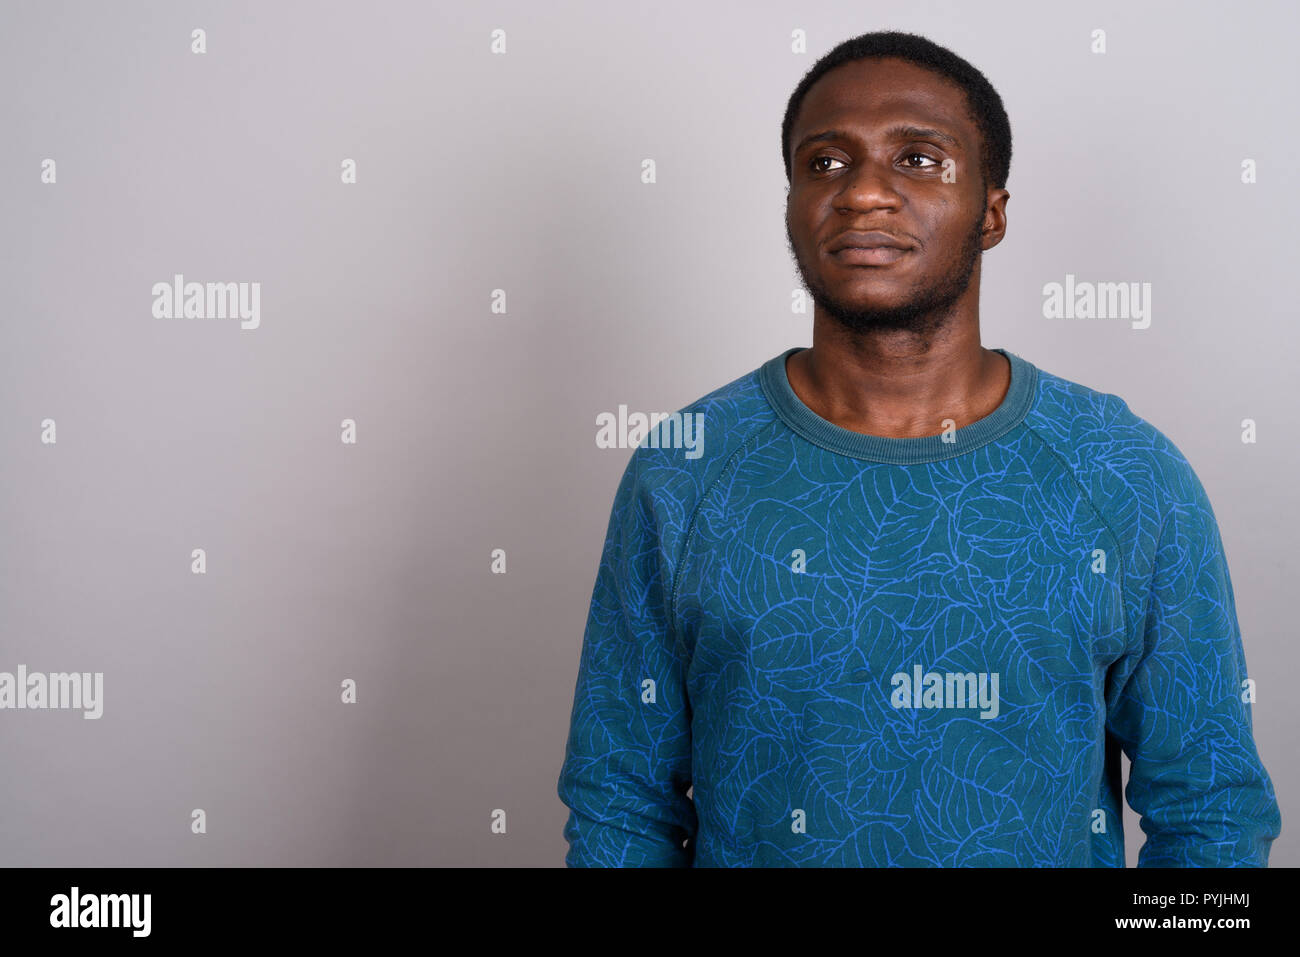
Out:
{"x": 900, "y": 132}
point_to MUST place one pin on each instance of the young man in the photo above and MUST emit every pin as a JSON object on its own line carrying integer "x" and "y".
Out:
{"x": 916, "y": 595}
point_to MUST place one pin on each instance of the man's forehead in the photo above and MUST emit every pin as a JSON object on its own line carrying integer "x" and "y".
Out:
{"x": 861, "y": 103}
{"x": 883, "y": 91}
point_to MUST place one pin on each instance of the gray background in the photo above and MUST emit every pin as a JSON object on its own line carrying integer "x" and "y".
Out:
{"x": 476, "y": 430}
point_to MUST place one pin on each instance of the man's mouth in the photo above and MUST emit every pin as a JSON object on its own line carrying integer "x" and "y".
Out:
{"x": 869, "y": 255}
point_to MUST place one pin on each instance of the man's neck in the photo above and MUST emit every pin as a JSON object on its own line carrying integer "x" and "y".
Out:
{"x": 892, "y": 387}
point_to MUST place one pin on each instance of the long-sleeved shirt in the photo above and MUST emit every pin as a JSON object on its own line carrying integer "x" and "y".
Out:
{"x": 809, "y": 646}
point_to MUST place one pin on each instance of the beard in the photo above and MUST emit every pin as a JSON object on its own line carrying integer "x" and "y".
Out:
{"x": 926, "y": 310}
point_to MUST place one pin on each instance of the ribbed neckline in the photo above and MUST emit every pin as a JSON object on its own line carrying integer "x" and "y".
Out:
{"x": 929, "y": 448}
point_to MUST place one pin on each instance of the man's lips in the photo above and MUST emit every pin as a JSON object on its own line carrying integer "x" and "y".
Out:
{"x": 869, "y": 255}
{"x": 874, "y": 248}
{"x": 866, "y": 240}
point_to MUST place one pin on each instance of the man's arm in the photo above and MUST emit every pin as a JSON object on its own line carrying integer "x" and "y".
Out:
{"x": 1177, "y": 709}
{"x": 628, "y": 762}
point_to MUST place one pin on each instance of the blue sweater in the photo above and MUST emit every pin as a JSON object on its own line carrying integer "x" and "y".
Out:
{"x": 808, "y": 646}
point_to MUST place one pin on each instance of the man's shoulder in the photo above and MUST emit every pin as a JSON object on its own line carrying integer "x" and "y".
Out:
{"x": 1111, "y": 450}
{"x": 682, "y": 455}
{"x": 684, "y": 451}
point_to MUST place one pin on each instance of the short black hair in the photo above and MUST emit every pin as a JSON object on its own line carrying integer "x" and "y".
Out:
{"x": 985, "y": 106}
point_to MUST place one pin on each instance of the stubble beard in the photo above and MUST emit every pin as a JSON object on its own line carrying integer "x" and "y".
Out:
{"x": 924, "y": 312}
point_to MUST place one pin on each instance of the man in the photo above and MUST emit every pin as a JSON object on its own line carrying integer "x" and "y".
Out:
{"x": 917, "y": 595}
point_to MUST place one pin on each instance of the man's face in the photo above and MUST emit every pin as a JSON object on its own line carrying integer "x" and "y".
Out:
{"x": 894, "y": 125}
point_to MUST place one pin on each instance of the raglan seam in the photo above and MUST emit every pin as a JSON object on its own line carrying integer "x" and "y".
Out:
{"x": 1106, "y": 523}
{"x": 675, "y": 584}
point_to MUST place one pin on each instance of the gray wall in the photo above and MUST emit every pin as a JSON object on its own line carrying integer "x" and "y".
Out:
{"x": 475, "y": 430}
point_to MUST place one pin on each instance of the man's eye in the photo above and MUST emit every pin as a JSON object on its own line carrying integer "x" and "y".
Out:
{"x": 818, "y": 159}
{"x": 930, "y": 161}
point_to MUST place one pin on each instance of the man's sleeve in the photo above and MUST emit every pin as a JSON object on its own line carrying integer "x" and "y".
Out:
{"x": 627, "y": 765}
{"x": 1180, "y": 710}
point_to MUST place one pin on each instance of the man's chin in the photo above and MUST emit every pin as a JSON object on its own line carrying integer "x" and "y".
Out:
{"x": 873, "y": 317}
{"x": 874, "y": 311}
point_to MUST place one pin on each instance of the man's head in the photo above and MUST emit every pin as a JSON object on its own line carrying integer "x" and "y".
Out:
{"x": 892, "y": 133}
